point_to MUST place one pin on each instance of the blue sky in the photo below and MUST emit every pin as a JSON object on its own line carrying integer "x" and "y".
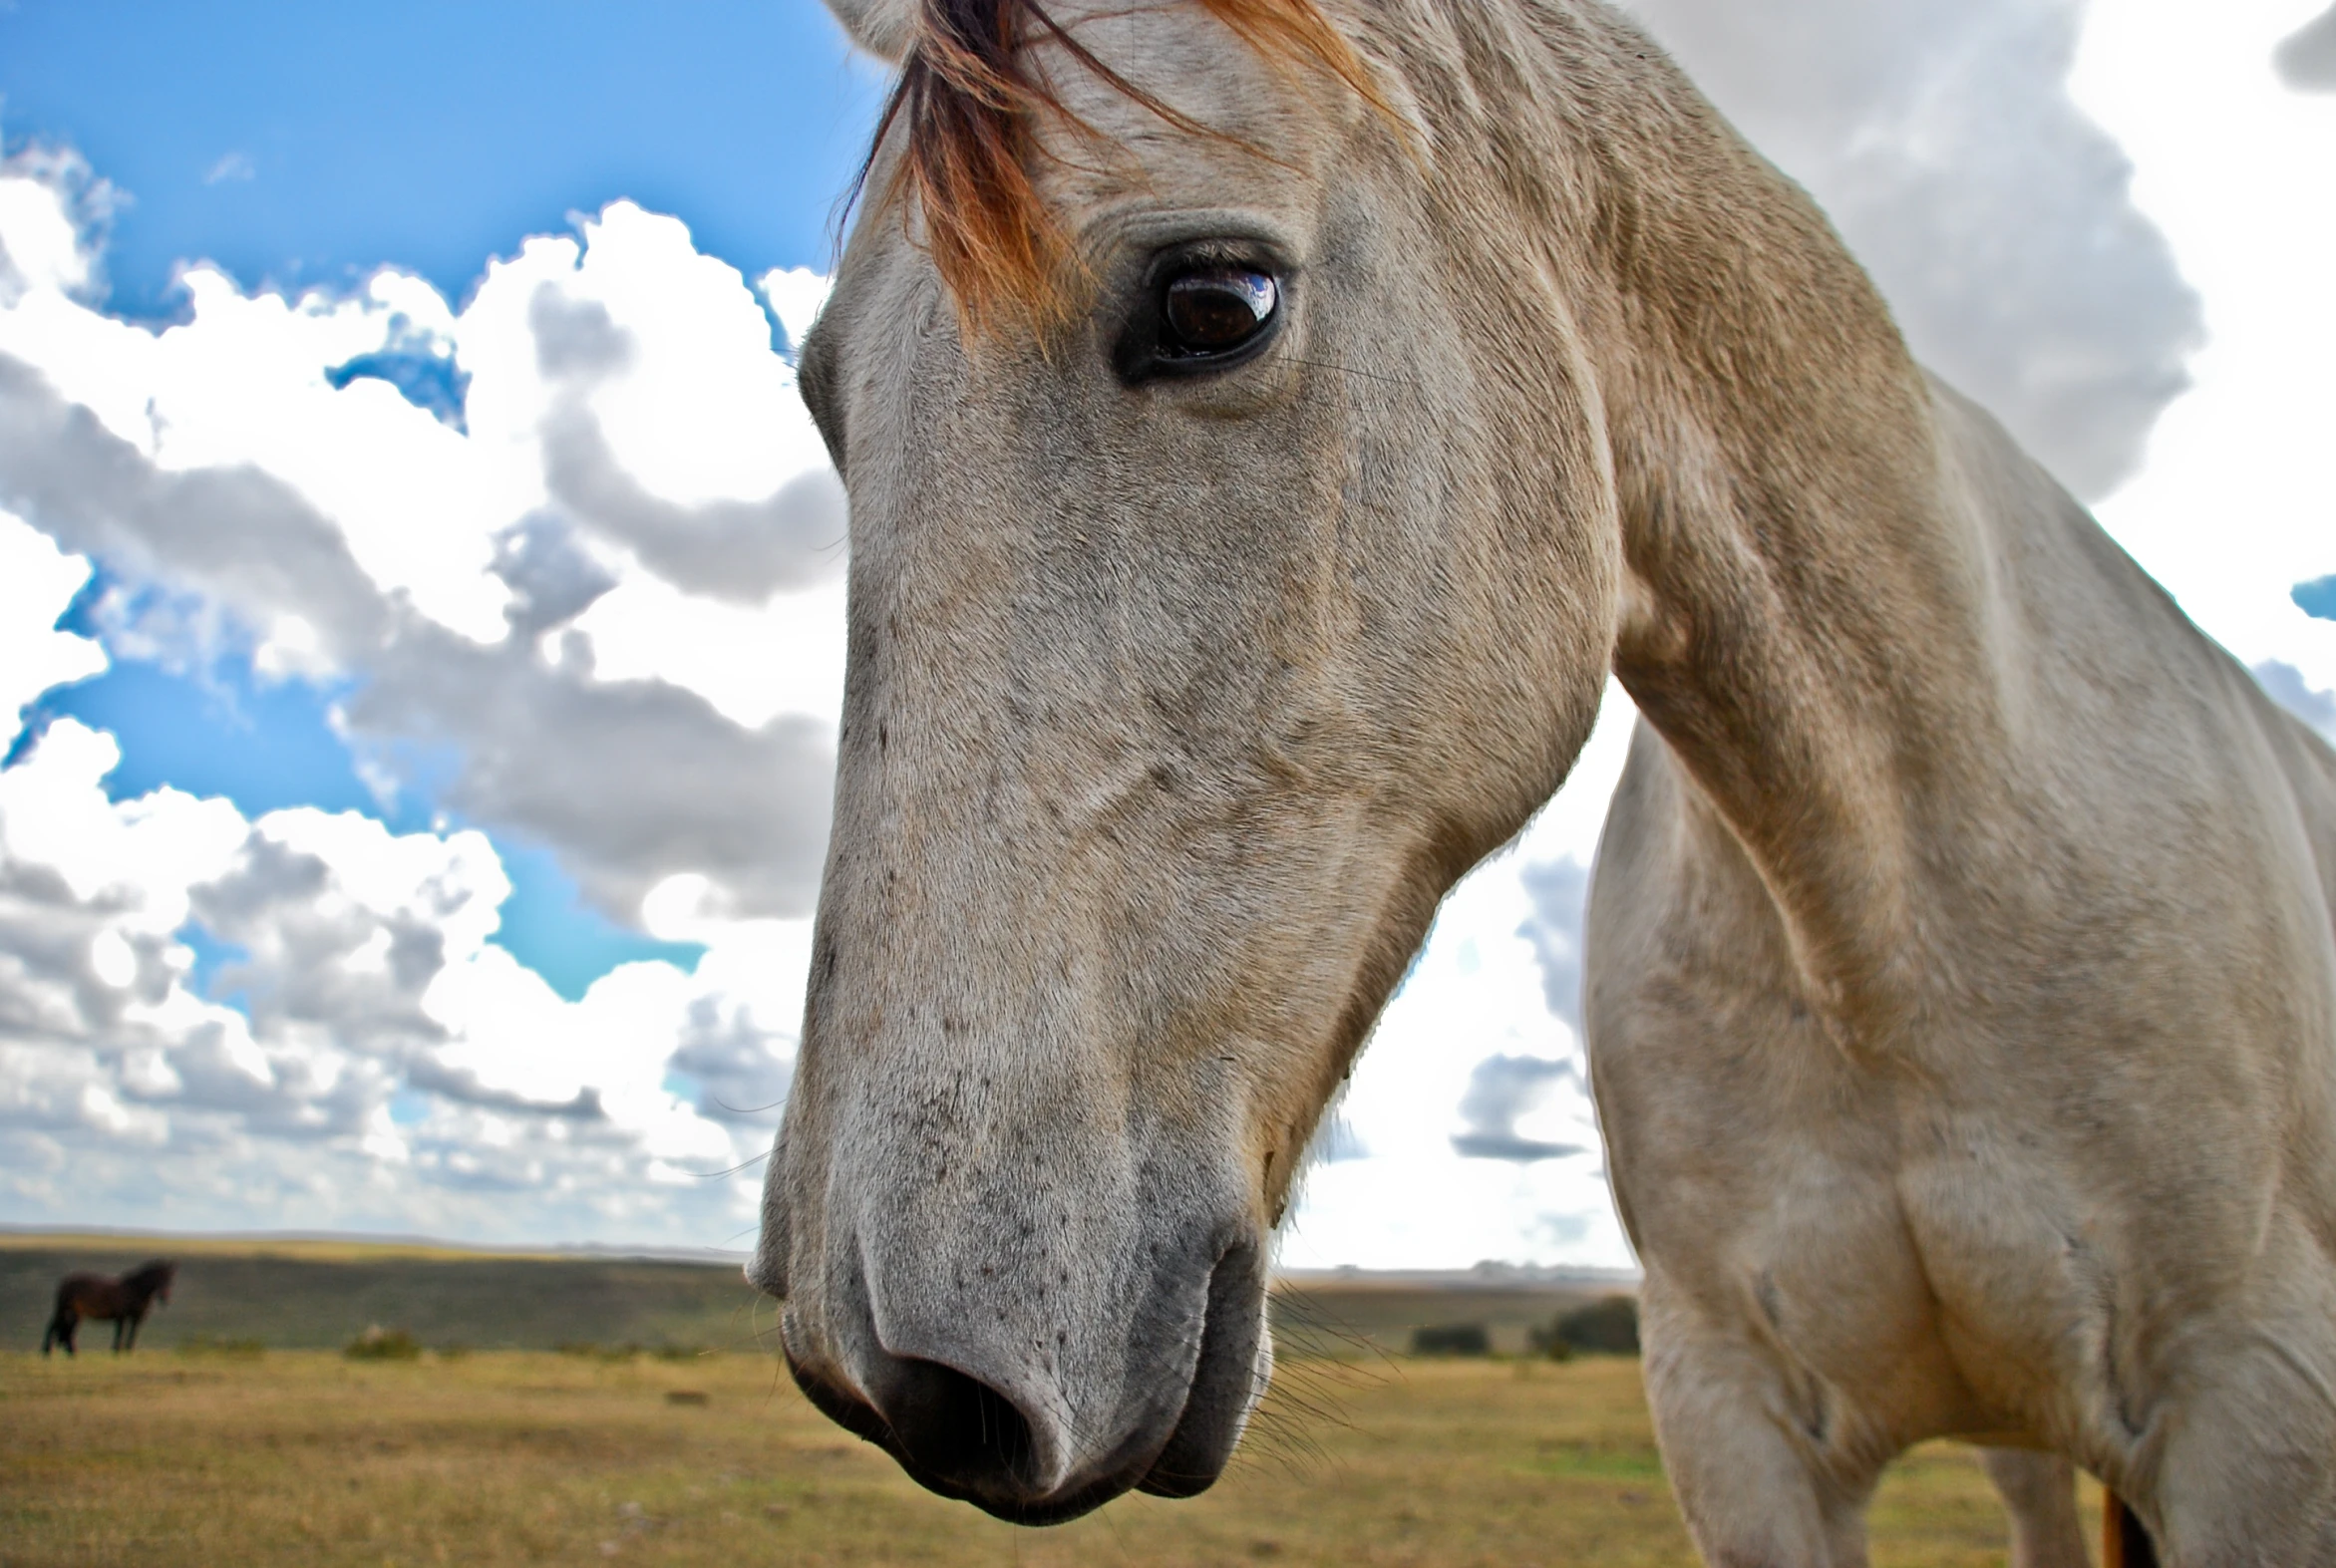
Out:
{"x": 300, "y": 148}
{"x": 308, "y": 144}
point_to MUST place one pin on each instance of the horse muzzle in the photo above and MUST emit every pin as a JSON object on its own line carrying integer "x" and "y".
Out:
{"x": 977, "y": 1407}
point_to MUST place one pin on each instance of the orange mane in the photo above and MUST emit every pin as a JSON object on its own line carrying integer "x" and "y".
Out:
{"x": 973, "y": 110}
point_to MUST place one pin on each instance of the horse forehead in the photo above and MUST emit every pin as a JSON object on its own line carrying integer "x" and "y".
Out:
{"x": 1199, "y": 67}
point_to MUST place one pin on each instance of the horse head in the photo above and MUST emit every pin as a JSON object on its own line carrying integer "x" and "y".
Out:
{"x": 153, "y": 1278}
{"x": 1233, "y": 564}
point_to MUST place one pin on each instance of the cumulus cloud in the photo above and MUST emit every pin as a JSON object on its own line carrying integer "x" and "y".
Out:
{"x": 483, "y": 528}
{"x": 1500, "y": 1093}
{"x": 633, "y": 782}
{"x": 1940, "y": 138}
{"x": 237, "y": 536}
{"x": 796, "y": 295}
{"x": 357, "y": 1040}
{"x": 741, "y": 551}
{"x": 1560, "y": 891}
{"x": 628, "y": 459}
{"x": 2306, "y": 57}
{"x": 37, "y": 580}
{"x": 1503, "y": 1090}
{"x": 736, "y": 1070}
{"x": 53, "y": 217}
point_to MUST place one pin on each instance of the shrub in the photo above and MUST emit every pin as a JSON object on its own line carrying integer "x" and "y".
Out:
{"x": 1451, "y": 1339}
{"x": 380, "y": 1344}
{"x": 1546, "y": 1341}
{"x": 1606, "y": 1327}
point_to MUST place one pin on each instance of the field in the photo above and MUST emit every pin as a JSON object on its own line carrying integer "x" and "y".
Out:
{"x": 521, "y": 1456}
{"x": 216, "y": 1452}
{"x": 318, "y": 1295}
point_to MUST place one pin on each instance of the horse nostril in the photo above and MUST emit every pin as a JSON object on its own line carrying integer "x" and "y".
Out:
{"x": 959, "y": 1429}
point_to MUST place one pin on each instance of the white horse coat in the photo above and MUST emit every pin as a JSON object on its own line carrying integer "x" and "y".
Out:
{"x": 1961, "y": 978}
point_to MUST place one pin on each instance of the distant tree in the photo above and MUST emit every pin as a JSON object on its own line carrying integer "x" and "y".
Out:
{"x": 1544, "y": 1340}
{"x": 1606, "y": 1328}
{"x": 1451, "y": 1339}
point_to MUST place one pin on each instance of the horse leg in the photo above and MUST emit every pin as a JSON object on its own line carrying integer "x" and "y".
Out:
{"x": 2039, "y": 1491}
{"x": 132, "y": 1320}
{"x": 2235, "y": 1474}
{"x": 1754, "y": 1494}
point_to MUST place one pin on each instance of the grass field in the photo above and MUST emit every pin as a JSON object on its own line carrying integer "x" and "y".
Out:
{"x": 167, "y": 1458}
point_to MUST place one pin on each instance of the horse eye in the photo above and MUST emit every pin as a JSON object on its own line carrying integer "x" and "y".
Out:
{"x": 1215, "y": 309}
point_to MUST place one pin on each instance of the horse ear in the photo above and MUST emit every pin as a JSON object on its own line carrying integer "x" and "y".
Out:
{"x": 885, "y": 27}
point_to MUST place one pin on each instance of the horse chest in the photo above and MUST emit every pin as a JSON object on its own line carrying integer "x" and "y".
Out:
{"x": 1856, "y": 1236}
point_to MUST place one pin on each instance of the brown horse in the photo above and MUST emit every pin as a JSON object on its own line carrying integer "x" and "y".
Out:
{"x": 126, "y": 1301}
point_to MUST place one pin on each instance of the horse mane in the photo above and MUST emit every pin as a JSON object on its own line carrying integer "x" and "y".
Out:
{"x": 972, "y": 108}
{"x": 151, "y": 1273}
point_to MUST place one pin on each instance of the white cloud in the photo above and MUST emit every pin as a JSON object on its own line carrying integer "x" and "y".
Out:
{"x": 2236, "y": 505}
{"x": 48, "y": 205}
{"x": 37, "y": 583}
{"x": 630, "y": 459}
{"x": 751, "y": 664}
{"x": 796, "y": 295}
{"x": 1940, "y": 138}
{"x": 361, "y": 1052}
{"x": 361, "y": 973}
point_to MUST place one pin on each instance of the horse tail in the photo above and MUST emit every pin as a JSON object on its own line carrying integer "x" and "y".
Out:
{"x": 67, "y": 1318}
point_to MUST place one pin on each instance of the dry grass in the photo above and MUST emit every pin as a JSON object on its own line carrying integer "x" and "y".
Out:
{"x": 522, "y": 1458}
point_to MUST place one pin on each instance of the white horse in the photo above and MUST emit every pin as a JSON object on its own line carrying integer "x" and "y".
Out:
{"x": 1265, "y": 429}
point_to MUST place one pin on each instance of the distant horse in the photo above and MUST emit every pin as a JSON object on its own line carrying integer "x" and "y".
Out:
{"x": 126, "y": 1300}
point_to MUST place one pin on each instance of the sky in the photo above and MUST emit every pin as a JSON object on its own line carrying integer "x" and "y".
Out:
{"x": 421, "y": 587}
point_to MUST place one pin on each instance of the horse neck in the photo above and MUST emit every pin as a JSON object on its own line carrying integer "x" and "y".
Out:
{"x": 1804, "y": 607}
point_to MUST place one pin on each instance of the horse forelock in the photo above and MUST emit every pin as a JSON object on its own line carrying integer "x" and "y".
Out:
{"x": 971, "y": 108}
